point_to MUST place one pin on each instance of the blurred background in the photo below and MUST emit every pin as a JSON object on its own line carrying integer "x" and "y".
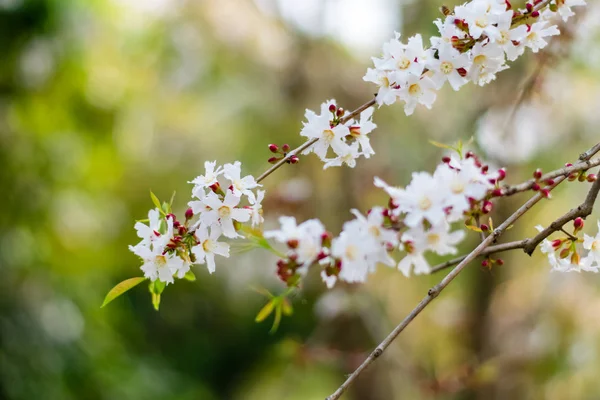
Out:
{"x": 103, "y": 101}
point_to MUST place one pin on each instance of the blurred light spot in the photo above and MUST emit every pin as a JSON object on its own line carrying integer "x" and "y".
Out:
{"x": 10, "y": 4}
{"x": 62, "y": 320}
{"x": 295, "y": 190}
{"x": 37, "y": 63}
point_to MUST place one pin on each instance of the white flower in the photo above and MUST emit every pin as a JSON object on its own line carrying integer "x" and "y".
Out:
{"x": 208, "y": 246}
{"x": 407, "y": 60}
{"x": 352, "y": 249}
{"x": 508, "y": 37}
{"x": 417, "y": 90}
{"x": 415, "y": 261}
{"x": 360, "y": 131}
{"x": 448, "y": 30}
{"x": 481, "y": 15}
{"x": 256, "y": 207}
{"x": 592, "y": 243}
{"x": 348, "y": 156}
{"x": 444, "y": 68}
{"x": 377, "y": 237}
{"x": 564, "y": 7}
{"x": 319, "y": 127}
{"x": 488, "y": 59}
{"x": 224, "y": 213}
{"x": 209, "y": 178}
{"x": 421, "y": 200}
{"x": 149, "y": 233}
{"x": 239, "y": 185}
{"x": 308, "y": 237}
{"x": 437, "y": 238}
{"x": 536, "y": 34}
{"x": 162, "y": 266}
{"x": 388, "y": 91}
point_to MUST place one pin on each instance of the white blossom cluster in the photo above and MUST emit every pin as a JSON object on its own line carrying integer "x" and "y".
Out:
{"x": 346, "y": 141}
{"x": 168, "y": 247}
{"x": 418, "y": 220}
{"x": 474, "y": 44}
{"x": 568, "y": 259}
{"x": 476, "y": 40}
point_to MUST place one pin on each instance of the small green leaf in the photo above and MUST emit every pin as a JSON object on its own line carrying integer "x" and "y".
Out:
{"x": 286, "y": 307}
{"x": 156, "y": 202}
{"x": 172, "y": 199}
{"x": 473, "y": 228}
{"x": 156, "y": 301}
{"x": 190, "y": 276}
{"x": 157, "y": 287}
{"x": 166, "y": 208}
{"x": 277, "y": 319}
{"x": 121, "y": 288}
{"x": 263, "y": 291}
{"x": 441, "y": 145}
{"x": 265, "y": 311}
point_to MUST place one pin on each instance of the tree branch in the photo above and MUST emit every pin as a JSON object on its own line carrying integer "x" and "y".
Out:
{"x": 479, "y": 250}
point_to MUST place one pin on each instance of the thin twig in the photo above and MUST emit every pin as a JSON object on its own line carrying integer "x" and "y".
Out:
{"x": 479, "y": 250}
{"x": 309, "y": 143}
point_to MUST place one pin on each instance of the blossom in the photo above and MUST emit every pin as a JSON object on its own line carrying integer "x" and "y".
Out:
{"x": 436, "y": 238}
{"x": 224, "y": 213}
{"x": 406, "y": 59}
{"x": 417, "y": 90}
{"x": 510, "y": 39}
{"x": 488, "y": 59}
{"x": 421, "y": 200}
{"x": 208, "y": 246}
{"x": 239, "y": 185}
{"x": 414, "y": 260}
{"x": 150, "y": 232}
{"x": 351, "y": 248}
{"x": 359, "y": 131}
{"x": 564, "y": 7}
{"x": 319, "y": 127}
{"x": 305, "y": 238}
{"x": 481, "y": 16}
{"x": 256, "y": 207}
{"x": 348, "y": 157}
{"x": 162, "y": 266}
{"x": 446, "y": 66}
{"x": 210, "y": 176}
{"x": 388, "y": 90}
{"x": 592, "y": 243}
{"x": 535, "y": 38}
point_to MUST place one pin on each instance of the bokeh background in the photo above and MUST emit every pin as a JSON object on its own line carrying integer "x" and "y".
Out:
{"x": 103, "y": 101}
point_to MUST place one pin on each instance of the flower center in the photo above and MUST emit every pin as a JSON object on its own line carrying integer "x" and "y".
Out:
{"x": 375, "y": 231}
{"x": 596, "y": 245}
{"x": 414, "y": 89}
{"x": 351, "y": 252}
{"x": 328, "y": 135}
{"x": 457, "y": 187}
{"x": 424, "y": 203}
{"x": 481, "y": 22}
{"x": 532, "y": 36}
{"x": 403, "y": 63}
{"x": 433, "y": 238}
{"x": 504, "y": 38}
{"x": 224, "y": 212}
{"x": 446, "y": 67}
{"x": 480, "y": 59}
{"x": 161, "y": 261}
{"x": 208, "y": 245}
{"x": 384, "y": 81}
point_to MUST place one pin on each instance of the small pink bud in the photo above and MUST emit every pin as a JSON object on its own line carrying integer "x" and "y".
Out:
{"x": 591, "y": 177}
{"x": 550, "y": 182}
{"x": 189, "y": 214}
{"x": 182, "y": 230}
{"x": 568, "y": 164}
{"x": 556, "y": 243}
{"x": 340, "y": 112}
{"x": 573, "y": 176}
{"x": 294, "y": 159}
{"x": 485, "y": 169}
{"x": 529, "y": 7}
{"x": 485, "y": 263}
{"x": 215, "y": 187}
{"x": 285, "y": 148}
{"x": 546, "y": 193}
{"x": 469, "y": 154}
{"x": 273, "y": 160}
{"x": 484, "y": 227}
{"x": 535, "y": 187}
{"x": 462, "y": 72}
{"x": 292, "y": 243}
{"x": 446, "y": 159}
{"x": 564, "y": 253}
{"x": 273, "y": 148}
{"x": 508, "y": 5}
{"x": 578, "y": 223}
{"x": 537, "y": 174}
{"x": 176, "y": 224}
{"x": 501, "y": 174}
{"x": 500, "y": 261}
{"x": 332, "y": 108}
{"x": 487, "y": 207}
{"x": 497, "y": 192}
{"x": 171, "y": 216}
{"x": 535, "y": 14}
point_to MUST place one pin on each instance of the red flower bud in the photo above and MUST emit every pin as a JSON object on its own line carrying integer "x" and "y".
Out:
{"x": 501, "y": 174}
{"x": 485, "y": 263}
{"x": 556, "y": 243}
{"x": 273, "y": 160}
{"x": 462, "y": 72}
{"x": 294, "y": 159}
{"x": 535, "y": 187}
{"x": 508, "y": 5}
{"x": 535, "y": 14}
{"x": 546, "y": 193}
{"x": 189, "y": 214}
{"x": 340, "y": 112}
{"x": 550, "y": 182}
{"x": 529, "y": 7}
{"x": 497, "y": 192}
{"x": 578, "y": 223}
{"x": 484, "y": 227}
{"x": 591, "y": 177}
{"x": 292, "y": 243}
{"x": 273, "y": 148}
{"x": 285, "y": 148}
{"x": 332, "y": 108}
{"x": 500, "y": 261}
{"x": 446, "y": 159}
{"x": 487, "y": 207}
{"x": 537, "y": 174}
{"x": 469, "y": 154}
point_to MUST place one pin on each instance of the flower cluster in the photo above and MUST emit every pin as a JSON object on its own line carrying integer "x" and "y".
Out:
{"x": 169, "y": 247}
{"x": 417, "y": 219}
{"x": 564, "y": 255}
{"x": 347, "y": 139}
{"x": 474, "y": 44}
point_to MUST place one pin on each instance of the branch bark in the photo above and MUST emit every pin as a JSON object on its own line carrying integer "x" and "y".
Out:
{"x": 484, "y": 246}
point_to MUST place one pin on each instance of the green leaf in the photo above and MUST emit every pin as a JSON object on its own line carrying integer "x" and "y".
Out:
{"x": 441, "y": 145}
{"x": 172, "y": 199}
{"x": 277, "y": 319}
{"x": 156, "y": 301}
{"x": 157, "y": 287}
{"x": 265, "y": 311}
{"x": 156, "y": 202}
{"x": 473, "y": 228}
{"x": 121, "y": 288}
{"x": 286, "y": 307}
{"x": 166, "y": 208}
{"x": 190, "y": 276}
